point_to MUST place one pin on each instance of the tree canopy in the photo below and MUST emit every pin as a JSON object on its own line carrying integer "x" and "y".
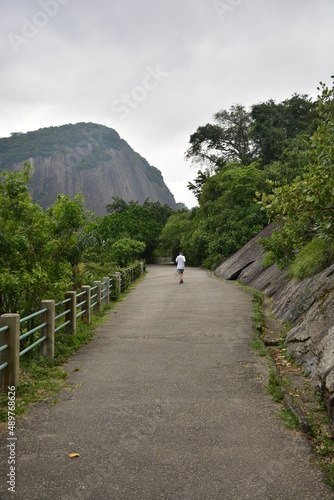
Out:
{"x": 37, "y": 249}
{"x": 270, "y": 149}
{"x": 43, "y": 254}
{"x": 305, "y": 207}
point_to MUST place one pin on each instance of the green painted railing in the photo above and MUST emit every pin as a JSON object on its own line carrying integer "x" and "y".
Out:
{"x": 32, "y": 331}
{"x": 75, "y": 305}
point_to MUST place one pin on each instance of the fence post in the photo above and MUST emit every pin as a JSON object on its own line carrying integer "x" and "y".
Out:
{"x": 9, "y": 376}
{"x": 118, "y": 278}
{"x": 71, "y": 316}
{"x": 48, "y": 346}
{"x": 86, "y": 288}
{"x": 98, "y": 298}
{"x": 106, "y": 283}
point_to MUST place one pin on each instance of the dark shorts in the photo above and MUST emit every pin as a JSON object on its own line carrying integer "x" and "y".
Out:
{"x": 180, "y": 271}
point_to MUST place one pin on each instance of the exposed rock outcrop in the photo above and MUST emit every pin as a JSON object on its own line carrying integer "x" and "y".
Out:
{"x": 308, "y": 305}
{"x": 87, "y": 158}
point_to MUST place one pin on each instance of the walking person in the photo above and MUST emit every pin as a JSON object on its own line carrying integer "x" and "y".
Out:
{"x": 180, "y": 261}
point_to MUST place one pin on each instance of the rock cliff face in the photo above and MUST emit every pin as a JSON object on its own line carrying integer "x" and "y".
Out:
{"x": 308, "y": 305}
{"x": 86, "y": 158}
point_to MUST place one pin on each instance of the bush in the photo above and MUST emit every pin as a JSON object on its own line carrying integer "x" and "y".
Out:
{"x": 268, "y": 259}
{"x": 312, "y": 259}
{"x": 127, "y": 250}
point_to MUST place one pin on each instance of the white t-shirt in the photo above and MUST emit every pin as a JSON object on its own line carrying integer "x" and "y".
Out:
{"x": 180, "y": 260}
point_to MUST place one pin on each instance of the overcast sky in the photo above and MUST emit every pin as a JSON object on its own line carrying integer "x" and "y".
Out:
{"x": 155, "y": 70}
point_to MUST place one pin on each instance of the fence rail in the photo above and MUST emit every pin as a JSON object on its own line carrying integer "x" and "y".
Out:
{"x": 75, "y": 305}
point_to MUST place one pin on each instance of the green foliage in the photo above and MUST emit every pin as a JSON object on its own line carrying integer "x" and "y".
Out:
{"x": 258, "y": 314}
{"x": 228, "y": 217}
{"x": 274, "y": 125}
{"x": 290, "y": 420}
{"x": 197, "y": 186}
{"x": 280, "y": 246}
{"x": 277, "y": 137}
{"x": 126, "y": 250}
{"x": 261, "y": 134}
{"x": 268, "y": 259}
{"x": 274, "y": 387}
{"x": 225, "y": 141}
{"x": 37, "y": 250}
{"x": 129, "y": 274}
{"x": 130, "y": 220}
{"x": 85, "y": 144}
{"x": 154, "y": 175}
{"x": 313, "y": 258}
{"x": 304, "y": 208}
{"x": 41, "y": 377}
{"x": 173, "y": 233}
{"x": 293, "y": 161}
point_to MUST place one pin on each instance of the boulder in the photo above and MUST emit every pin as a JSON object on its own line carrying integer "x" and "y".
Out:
{"x": 307, "y": 305}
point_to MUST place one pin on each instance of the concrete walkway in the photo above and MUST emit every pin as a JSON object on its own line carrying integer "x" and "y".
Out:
{"x": 167, "y": 403}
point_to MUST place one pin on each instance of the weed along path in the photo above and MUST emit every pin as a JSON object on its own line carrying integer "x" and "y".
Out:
{"x": 166, "y": 402}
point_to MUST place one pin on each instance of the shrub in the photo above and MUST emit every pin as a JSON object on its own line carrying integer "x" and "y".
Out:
{"x": 268, "y": 259}
{"x": 312, "y": 258}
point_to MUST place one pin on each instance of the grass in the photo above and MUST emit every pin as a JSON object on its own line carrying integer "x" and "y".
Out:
{"x": 258, "y": 345}
{"x": 322, "y": 438}
{"x": 258, "y": 317}
{"x": 311, "y": 259}
{"x": 259, "y": 321}
{"x": 42, "y": 378}
{"x": 318, "y": 417}
{"x": 268, "y": 259}
{"x": 290, "y": 420}
{"x": 274, "y": 387}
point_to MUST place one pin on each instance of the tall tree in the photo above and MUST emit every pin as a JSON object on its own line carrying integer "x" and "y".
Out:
{"x": 275, "y": 125}
{"x": 37, "y": 249}
{"x": 131, "y": 220}
{"x": 305, "y": 208}
{"x": 226, "y": 140}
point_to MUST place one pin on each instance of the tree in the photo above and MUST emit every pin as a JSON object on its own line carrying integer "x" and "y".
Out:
{"x": 173, "y": 233}
{"x": 225, "y": 141}
{"x": 197, "y": 186}
{"x": 305, "y": 207}
{"x": 127, "y": 250}
{"x": 139, "y": 222}
{"x": 230, "y": 216}
{"x": 36, "y": 248}
{"x": 275, "y": 125}
{"x": 68, "y": 219}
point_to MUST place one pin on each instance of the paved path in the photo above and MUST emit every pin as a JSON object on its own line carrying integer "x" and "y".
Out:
{"x": 167, "y": 403}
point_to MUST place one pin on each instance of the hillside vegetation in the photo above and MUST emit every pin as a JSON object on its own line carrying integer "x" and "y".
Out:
{"x": 273, "y": 162}
{"x": 52, "y": 140}
{"x": 45, "y": 253}
{"x": 87, "y": 158}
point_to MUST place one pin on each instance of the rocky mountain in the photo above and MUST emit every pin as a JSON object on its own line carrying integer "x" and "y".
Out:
{"x": 87, "y": 158}
{"x": 307, "y": 305}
